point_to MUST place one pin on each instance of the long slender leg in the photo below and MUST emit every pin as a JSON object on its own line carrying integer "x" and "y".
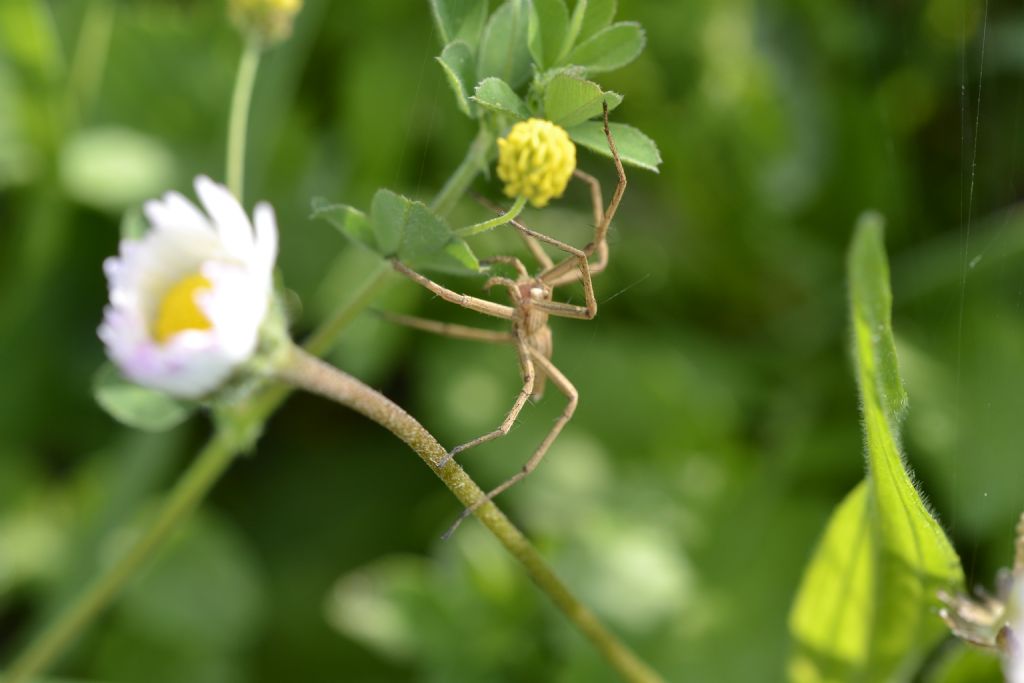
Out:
{"x": 464, "y": 300}
{"x": 602, "y": 218}
{"x": 567, "y": 388}
{"x": 526, "y": 366}
{"x": 510, "y": 260}
{"x": 449, "y": 329}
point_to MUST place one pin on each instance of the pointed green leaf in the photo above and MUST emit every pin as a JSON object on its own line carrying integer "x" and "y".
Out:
{"x": 610, "y": 48}
{"x": 635, "y": 148}
{"x": 882, "y": 542}
{"x": 498, "y": 96}
{"x": 136, "y": 406}
{"x": 351, "y": 222}
{"x": 613, "y": 99}
{"x": 594, "y": 16}
{"x": 411, "y": 232}
{"x": 459, "y": 20}
{"x": 569, "y": 101}
{"x": 503, "y": 49}
{"x": 457, "y": 61}
{"x": 546, "y": 33}
{"x": 389, "y": 213}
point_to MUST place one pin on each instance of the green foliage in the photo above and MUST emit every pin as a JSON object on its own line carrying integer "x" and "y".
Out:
{"x": 547, "y": 31}
{"x": 498, "y": 96}
{"x": 457, "y": 61}
{"x": 635, "y": 148}
{"x": 560, "y": 48}
{"x": 866, "y": 610}
{"x": 503, "y": 50}
{"x": 398, "y": 227}
{"x": 459, "y": 20}
{"x": 135, "y": 406}
{"x": 569, "y": 101}
{"x": 610, "y": 48}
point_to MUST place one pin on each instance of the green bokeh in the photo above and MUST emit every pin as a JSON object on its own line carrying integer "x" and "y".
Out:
{"x": 718, "y": 422}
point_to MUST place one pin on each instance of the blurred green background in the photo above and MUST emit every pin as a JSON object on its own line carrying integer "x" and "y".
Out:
{"x": 718, "y": 422}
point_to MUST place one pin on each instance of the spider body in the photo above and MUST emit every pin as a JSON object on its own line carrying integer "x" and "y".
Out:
{"x": 532, "y": 306}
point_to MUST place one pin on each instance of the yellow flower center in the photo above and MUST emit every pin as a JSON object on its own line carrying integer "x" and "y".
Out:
{"x": 536, "y": 160}
{"x": 179, "y": 310}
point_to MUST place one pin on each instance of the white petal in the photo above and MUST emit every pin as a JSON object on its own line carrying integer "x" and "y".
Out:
{"x": 175, "y": 212}
{"x": 229, "y": 218}
{"x": 266, "y": 235}
{"x": 235, "y": 306}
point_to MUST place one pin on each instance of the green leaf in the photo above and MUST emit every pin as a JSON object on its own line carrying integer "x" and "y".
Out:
{"x": 610, "y": 48}
{"x": 503, "y": 49}
{"x": 635, "y": 148}
{"x": 613, "y": 99}
{"x": 569, "y": 101}
{"x": 498, "y": 96}
{"x": 352, "y": 222}
{"x": 594, "y": 16}
{"x": 411, "y": 232}
{"x": 459, "y": 20}
{"x": 548, "y": 26}
{"x": 457, "y": 61}
{"x": 137, "y": 406}
{"x": 866, "y": 610}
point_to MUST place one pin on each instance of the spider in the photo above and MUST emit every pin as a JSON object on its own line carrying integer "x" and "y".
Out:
{"x": 988, "y": 621}
{"x": 532, "y": 306}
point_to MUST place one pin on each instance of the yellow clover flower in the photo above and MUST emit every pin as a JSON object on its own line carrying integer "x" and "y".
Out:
{"x": 189, "y": 298}
{"x": 536, "y": 160}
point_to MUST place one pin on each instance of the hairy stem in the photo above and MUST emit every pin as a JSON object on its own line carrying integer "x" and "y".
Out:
{"x": 492, "y": 223}
{"x": 234, "y": 435}
{"x": 477, "y": 157}
{"x": 238, "y": 119}
{"x": 312, "y": 374}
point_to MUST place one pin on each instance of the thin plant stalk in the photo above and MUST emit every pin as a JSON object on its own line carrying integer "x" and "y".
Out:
{"x": 308, "y": 372}
{"x": 235, "y": 434}
{"x": 238, "y": 119}
{"x": 492, "y": 223}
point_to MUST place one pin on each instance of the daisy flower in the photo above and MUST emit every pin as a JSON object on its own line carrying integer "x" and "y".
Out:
{"x": 188, "y": 299}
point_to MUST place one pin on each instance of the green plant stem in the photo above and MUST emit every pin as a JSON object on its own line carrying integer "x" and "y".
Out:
{"x": 232, "y": 437}
{"x": 238, "y": 120}
{"x": 191, "y": 488}
{"x": 477, "y": 157}
{"x": 90, "y": 57}
{"x": 312, "y": 374}
{"x": 504, "y": 218}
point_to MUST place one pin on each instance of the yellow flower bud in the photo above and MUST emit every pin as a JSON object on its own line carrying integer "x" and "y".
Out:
{"x": 270, "y": 20}
{"x": 536, "y": 160}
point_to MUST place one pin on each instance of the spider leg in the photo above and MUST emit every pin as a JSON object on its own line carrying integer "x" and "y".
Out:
{"x": 471, "y": 302}
{"x": 526, "y": 366}
{"x": 510, "y": 260}
{"x": 452, "y": 330}
{"x": 567, "y": 388}
{"x": 602, "y": 217}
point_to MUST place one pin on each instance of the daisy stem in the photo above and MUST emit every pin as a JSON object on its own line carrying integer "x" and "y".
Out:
{"x": 504, "y": 218}
{"x": 238, "y": 121}
{"x": 308, "y": 372}
{"x": 234, "y": 435}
